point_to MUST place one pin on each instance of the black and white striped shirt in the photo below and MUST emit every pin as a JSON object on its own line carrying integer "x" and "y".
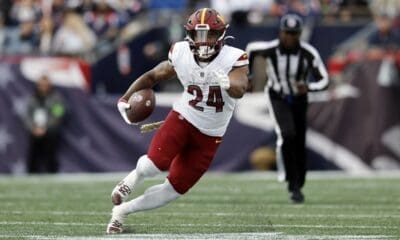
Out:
{"x": 285, "y": 68}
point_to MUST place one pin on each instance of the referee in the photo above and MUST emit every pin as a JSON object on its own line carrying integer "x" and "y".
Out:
{"x": 288, "y": 64}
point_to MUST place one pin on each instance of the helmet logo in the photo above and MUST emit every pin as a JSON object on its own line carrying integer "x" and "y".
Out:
{"x": 291, "y": 22}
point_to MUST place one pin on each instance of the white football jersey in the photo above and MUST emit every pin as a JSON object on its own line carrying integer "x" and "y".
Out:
{"x": 203, "y": 102}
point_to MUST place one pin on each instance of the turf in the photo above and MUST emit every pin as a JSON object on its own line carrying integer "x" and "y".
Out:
{"x": 220, "y": 206}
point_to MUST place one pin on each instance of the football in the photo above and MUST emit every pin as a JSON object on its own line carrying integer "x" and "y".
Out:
{"x": 142, "y": 105}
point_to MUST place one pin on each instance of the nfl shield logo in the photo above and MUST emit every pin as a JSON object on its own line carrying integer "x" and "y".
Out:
{"x": 202, "y": 74}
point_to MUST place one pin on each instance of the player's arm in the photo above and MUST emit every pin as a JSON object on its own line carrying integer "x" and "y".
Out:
{"x": 238, "y": 81}
{"x": 163, "y": 71}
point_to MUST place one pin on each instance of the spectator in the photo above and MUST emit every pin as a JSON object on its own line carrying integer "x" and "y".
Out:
{"x": 329, "y": 10}
{"x": 386, "y": 36}
{"x": 127, "y": 9}
{"x": 56, "y": 11}
{"x": 3, "y": 33}
{"x": 73, "y": 37}
{"x": 5, "y": 8}
{"x": 46, "y": 33}
{"x": 162, "y": 12}
{"x": 308, "y": 8}
{"x": 23, "y": 39}
{"x": 103, "y": 20}
{"x": 23, "y": 10}
{"x": 241, "y": 12}
{"x": 350, "y": 9}
{"x": 46, "y": 110}
{"x": 389, "y": 7}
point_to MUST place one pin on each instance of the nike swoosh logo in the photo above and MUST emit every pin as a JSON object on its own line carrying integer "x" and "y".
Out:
{"x": 218, "y": 141}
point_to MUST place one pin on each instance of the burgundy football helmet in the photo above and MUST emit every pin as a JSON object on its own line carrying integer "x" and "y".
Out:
{"x": 205, "y": 31}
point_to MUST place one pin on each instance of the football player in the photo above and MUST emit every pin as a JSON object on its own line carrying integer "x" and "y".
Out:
{"x": 214, "y": 76}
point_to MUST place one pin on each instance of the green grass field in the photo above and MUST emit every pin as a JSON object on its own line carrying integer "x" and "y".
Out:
{"x": 220, "y": 206}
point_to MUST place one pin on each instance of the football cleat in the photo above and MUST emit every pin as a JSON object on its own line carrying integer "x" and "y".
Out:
{"x": 114, "y": 227}
{"x": 120, "y": 193}
{"x": 297, "y": 196}
{"x": 117, "y": 220}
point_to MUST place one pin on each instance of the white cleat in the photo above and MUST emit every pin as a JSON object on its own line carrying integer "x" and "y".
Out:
{"x": 117, "y": 220}
{"x": 114, "y": 227}
{"x": 120, "y": 193}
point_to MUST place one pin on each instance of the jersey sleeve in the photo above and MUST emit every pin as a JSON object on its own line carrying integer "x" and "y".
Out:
{"x": 243, "y": 60}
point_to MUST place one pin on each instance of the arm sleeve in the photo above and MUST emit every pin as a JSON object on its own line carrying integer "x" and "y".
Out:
{"x": 319, "y": 72}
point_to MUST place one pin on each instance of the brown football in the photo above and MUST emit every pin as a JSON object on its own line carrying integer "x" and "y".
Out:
{"x": 142, "y": 105}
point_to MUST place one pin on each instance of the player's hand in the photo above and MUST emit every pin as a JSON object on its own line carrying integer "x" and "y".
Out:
{"x": 222, "y": 79}
{"x": 302, "y": 88}
{"x": 38, "y": 131}
{"x": 123, "y": 105}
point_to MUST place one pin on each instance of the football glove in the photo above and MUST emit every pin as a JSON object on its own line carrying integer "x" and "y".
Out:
{"x": 222, "y": 79}
{"x": 123, "y": 105}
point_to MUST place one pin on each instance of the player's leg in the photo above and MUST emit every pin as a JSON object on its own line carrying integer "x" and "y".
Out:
{"x": 284, "y": 118}
{"x": 35, "y": 148}
{"x": 190, "y": 166}
{"x": 154, "y": 197}
{"x": 144, "y": 168}
{"x": 52, "y": 143}
{"x": 165, "y": 145}
{"x": 186, "y": 169}
{"x": 300, "y": 116}
{"x": 280, "y": 165}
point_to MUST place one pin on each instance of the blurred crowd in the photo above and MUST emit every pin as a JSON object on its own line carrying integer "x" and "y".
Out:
{"x": 66, "y": 27}
{"x": 71, "y": 27}
{"x": 256, "y": 11}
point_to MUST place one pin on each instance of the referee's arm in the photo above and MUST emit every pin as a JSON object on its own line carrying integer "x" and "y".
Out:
{"x": 318, "y": 71}
{"x": 253, "y": 50}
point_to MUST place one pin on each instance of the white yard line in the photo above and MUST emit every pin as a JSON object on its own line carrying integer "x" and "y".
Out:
{"x": 204, "y": 225}
{"x": 340, "y": 207}
{"x": 251, "y": 175}
{"x": 347, "y": 207}
{"x": 222, "y": 214}
{"x": 198, "y": 236}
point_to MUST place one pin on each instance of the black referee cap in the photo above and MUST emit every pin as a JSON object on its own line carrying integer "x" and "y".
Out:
{"x": 291, "y": 23}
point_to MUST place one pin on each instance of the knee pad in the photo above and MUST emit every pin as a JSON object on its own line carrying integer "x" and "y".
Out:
{"x": 145, "y": 167}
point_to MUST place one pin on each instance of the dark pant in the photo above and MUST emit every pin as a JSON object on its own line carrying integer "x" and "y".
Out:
{"x": 43, "y": 153}
{"x": 290, "y": 115}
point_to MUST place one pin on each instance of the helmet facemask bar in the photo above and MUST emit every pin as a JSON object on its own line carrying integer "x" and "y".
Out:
{"x": 205, "y": 41}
